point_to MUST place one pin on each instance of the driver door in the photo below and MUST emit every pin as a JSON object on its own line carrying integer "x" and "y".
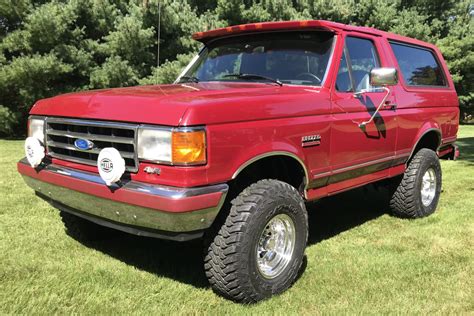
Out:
{"x": 357, "y": 152}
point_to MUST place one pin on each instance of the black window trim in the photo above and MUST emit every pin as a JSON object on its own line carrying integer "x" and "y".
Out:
{"x": 345, "y": 54}
{"x": 345, "y": 51}
{"x": 435, "y": 56}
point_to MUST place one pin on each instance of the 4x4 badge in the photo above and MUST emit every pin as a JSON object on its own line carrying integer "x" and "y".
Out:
{"x": 311, "y": 140}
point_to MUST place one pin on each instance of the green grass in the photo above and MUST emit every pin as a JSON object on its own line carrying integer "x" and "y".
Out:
{"x": 359, "y": 259}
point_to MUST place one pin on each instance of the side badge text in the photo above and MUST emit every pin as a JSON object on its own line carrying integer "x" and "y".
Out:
{"x": 311, "y": 140}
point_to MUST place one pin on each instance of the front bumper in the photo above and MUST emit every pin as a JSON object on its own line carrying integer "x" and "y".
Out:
{"x": 134, "y": 207}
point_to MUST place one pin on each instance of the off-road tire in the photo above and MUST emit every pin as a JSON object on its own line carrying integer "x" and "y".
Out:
{"x": 231, "y": 260}
{"x": 83, "y": 230}
{"x": 406, "y": 201}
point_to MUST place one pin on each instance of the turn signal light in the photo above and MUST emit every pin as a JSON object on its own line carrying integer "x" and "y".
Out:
{"x": 189, "y": 147}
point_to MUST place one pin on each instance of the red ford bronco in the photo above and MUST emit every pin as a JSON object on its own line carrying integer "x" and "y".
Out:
{"x": 266, "y": 117}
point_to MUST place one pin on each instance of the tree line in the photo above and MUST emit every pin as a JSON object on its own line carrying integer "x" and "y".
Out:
{"x": 48, "y": 47}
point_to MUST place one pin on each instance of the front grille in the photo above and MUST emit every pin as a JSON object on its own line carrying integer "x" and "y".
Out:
{"x": 62, "y": 133}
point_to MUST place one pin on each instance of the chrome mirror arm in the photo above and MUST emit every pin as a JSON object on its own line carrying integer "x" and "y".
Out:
{"x": 357, "y": 94}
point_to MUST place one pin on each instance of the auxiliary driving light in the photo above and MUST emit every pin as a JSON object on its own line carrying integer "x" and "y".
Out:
{"x": 111, "y": 165}
{"x": 34, "y": 151}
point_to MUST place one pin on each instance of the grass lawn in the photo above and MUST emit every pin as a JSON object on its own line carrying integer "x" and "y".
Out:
{"x": 359, "y": 259}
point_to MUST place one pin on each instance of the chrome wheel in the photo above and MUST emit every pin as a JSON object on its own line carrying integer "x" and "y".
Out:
{"x": 428, "y": 187}
{"x": 276, "y": 246}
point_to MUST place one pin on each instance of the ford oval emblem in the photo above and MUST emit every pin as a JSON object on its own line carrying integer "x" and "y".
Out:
{"x": 83, "y": 144}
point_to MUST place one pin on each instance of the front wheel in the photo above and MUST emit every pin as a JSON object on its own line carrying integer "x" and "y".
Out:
{"x": 259, "y": 250}
{"x": 418, "y": 192}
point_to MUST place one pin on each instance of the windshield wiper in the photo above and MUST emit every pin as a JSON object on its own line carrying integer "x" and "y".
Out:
{"x": 188, "y": 79}
{"x": 254, "y": 77}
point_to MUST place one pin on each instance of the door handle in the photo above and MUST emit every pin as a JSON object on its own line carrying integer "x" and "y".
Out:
{"x": 388, "y": 105}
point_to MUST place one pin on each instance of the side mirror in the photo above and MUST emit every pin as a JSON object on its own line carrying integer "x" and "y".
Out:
{"x": 383, "y": 76}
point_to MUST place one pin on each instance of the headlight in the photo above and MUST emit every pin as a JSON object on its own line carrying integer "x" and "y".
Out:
{"x": 154, "y": 145}
{"x": 36, "y": 129}
{"x": 177, "y": 146}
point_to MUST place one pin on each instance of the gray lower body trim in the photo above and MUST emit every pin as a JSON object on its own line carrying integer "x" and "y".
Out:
{"x": 357, "y": 171}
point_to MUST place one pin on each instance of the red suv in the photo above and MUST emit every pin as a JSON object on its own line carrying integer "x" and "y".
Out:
{"x": 266, "y": 117}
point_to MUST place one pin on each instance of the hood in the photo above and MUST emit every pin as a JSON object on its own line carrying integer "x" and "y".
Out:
{"x": 177, "y": 104}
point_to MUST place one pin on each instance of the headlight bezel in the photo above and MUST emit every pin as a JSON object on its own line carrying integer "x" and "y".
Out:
{"x": 171, "y": 131}
{"x": 33, "y": 131}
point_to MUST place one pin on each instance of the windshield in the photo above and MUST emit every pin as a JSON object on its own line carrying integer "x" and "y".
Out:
{"x": 299, "y": 58}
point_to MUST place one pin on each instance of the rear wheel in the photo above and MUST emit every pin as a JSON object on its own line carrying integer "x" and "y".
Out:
{"x": 417, "y": 194}
{"x": 259, "y": 250}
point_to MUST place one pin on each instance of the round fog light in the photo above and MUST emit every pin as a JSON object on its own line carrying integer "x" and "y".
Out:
{"x": 111, "y": 165}
{"x": 34, "y": 151}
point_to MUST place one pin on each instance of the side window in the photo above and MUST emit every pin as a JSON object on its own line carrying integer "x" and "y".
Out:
{"x": 362, "y": 57}
{"x": 418, "y": 66}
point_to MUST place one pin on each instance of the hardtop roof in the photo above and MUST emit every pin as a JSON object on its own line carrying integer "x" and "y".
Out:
{"x": 250, "y": 28}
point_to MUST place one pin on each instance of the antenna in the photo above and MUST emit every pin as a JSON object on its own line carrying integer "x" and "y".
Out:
{"x": 158, "y": 35}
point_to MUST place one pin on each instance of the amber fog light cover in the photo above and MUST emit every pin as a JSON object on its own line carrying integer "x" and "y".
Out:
{"x": 189, "y": 147}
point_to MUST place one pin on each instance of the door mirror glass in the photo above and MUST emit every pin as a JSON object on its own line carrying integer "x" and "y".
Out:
{"x": 383, "y": 76}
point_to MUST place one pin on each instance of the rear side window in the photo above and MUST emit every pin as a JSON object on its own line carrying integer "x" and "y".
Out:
{"x": 419, "y": 66}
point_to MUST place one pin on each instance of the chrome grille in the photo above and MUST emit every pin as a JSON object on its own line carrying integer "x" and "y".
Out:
{"x": 62, "y": 133}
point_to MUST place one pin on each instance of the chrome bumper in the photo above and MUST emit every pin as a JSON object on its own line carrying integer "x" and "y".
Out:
{"x": 122, "y": 206}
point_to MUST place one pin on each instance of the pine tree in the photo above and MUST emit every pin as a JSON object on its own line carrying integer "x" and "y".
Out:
{"x": 48, "y": 47}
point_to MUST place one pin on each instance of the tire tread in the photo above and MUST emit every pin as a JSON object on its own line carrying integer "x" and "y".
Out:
{"x": 403, "y": 202}
{"x": 222, "y": 263}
